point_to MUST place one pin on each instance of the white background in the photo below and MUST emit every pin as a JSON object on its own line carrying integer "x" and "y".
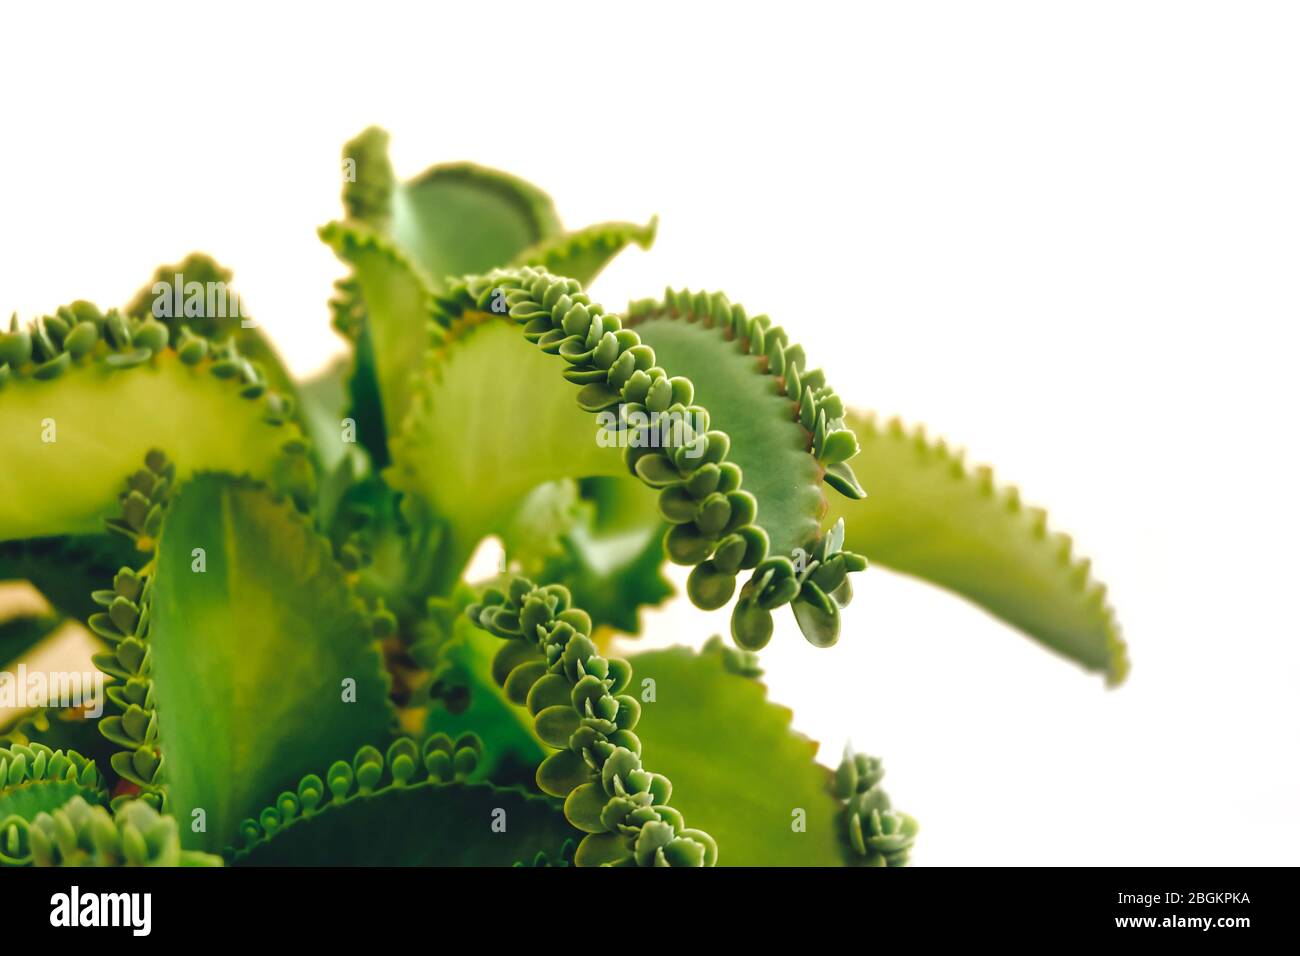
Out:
{"x": 1064, "y": 236}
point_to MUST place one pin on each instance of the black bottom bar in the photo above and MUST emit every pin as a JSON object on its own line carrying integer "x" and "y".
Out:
{"x": 1226, "y": 906}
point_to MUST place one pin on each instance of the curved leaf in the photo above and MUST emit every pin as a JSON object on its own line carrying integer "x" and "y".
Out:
{"x": 424, "y": 825}
{"x": 696, "y": 337}
{"x": 504, "y": 397}
{"x": 135, "y": 834}
{"x": 787, "y": 431}
{"x": 60, "y": 728}
{"x": 585, "y": 253}
{"x": 513, "y": 432}
{"x": 396, "y": 333}
{"x": 576, "y": 697}
{"x": 459, "y": 218}
{"x": 263, "y": 664}
{"x": 34, "y": 779}
{"x": 452, "y": 219}
{"x": 738, "y": 770}
{"x": 412, "y": 806}
{"x": 931, "y": 516}
{"x": 67, "y": 441}
{"x": 323, "y": 404}
{"x": 217, "y": 314}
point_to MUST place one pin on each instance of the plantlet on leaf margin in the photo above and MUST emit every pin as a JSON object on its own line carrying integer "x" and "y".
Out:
{"x": 333, "y": 618}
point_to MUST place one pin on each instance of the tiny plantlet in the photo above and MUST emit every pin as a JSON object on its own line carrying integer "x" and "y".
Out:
{"x": 301, "y": 669}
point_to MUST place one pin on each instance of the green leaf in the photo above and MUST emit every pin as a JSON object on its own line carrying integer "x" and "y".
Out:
{"x": 60, "y": 728}
{"x": 219, "y": 316}
{"x": 250, "y": 655}
{"x": 460, "y": 218}
{"x": 389, "y": 545}
{"x": 491, "y": 393}
{"x": 613, "y": 564}
{"x": 738, "y": 771}
{"x": 768, "y": 441}
{"x": 534, "y": 531}
{"x": 402, "y": 240}
{"x": 931, "y": 516}
{"x": 35, "y": 779}
{"x": 134, "y": 834}
{"x": 323, "y": 404}
{"x": 785, "y": 431}
{"x": 452, "y": 219}
{"x": 366, "y": 404}
{"x": 427, "y": 824}
{"x": 551, "y": 665}
{"x": 368, "y": 180}
{"x": 585, "y": 253}
{"x": 495, "y": 423}
{"x": 104, "y": 421}
{"x": 27, "y": 800}
{"x": 397, "y": 302}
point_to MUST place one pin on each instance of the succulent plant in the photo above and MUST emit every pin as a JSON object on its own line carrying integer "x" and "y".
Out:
{"x": 299, "y": 672}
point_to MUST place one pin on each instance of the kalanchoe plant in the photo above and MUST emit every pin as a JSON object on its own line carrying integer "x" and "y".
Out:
{"x": 298, "y": 671}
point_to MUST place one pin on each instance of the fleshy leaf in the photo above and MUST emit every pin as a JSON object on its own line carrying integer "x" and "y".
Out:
{"x": 522, "y": 361}
{"x": 577, "y": 698}
{"x": 388, "y": 545}
{"x": 749, "y": 376}
{"x": 424, "y": 825}
{"x": 460, "y": 218}
{"x": 134, "y": 834}
{"x": 214, "y": 311}
{"x": 35, "y": 779}
{"x": 69, "y": 436}
{"x": 787, "y": 431}
{"x": 931, "y": 516}
{"x": 396, "y": 333}
{"x": 452, "y": 219}
{"x": 878, "y": 834}
{"x": 323, "y": 405}
{"x": 738, "y": 770}
{"x": 408, "y": 807}
{"x": 467, "y": 403}
{"x": 260, "y": 662}
{"x": 584, "y": 253}
{"x": 60, "y": 728}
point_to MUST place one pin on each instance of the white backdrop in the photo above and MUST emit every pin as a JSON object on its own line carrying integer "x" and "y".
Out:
{"x": 1064, "y": 236}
